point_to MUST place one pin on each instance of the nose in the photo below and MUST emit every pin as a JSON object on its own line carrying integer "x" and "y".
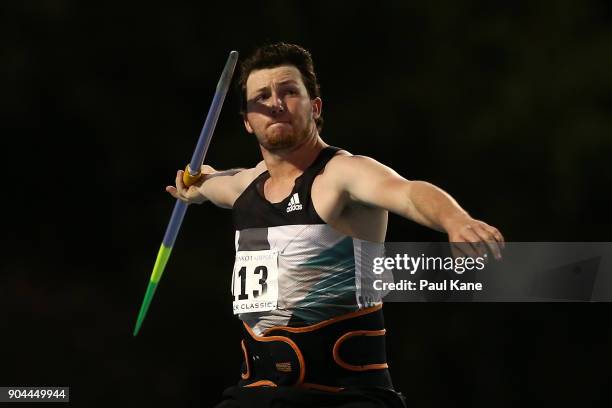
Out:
{"x": 277, "y": 104}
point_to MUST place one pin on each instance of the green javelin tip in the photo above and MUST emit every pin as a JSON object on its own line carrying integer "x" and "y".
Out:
{"x": 158, "y": 270}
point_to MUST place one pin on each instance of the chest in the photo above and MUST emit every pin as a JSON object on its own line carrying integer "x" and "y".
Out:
{"x": 327, "y": 201}
{"x": 309, "y": 201}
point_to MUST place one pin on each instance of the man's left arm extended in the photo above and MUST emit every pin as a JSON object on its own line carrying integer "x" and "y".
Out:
{"x": 372, "y": 183}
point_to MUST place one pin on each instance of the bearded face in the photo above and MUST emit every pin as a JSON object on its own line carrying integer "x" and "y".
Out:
{"x": 279, "y": 110}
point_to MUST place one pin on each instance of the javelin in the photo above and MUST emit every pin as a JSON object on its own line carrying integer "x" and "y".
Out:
{"x": 190, "y": 176}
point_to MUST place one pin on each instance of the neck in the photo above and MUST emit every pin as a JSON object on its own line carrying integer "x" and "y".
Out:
{"x": 290, "y": 163}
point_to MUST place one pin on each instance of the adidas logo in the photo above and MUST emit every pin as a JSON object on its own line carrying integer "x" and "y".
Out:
{"x": 294, "y": 203}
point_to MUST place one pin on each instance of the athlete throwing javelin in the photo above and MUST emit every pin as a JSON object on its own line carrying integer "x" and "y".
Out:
{"x": 301, "y": 214}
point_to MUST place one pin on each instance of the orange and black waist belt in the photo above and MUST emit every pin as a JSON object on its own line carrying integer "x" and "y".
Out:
{"x": 348, "y": 350}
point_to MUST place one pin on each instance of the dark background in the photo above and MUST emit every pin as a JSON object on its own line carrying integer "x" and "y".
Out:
{"x": 505, "y": 105}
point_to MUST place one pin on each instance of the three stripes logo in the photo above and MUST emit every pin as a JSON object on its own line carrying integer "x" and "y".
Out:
{"x": 294, "y": 203}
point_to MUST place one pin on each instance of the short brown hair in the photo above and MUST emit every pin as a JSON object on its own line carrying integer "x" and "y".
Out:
{"x": 274, "y": 55}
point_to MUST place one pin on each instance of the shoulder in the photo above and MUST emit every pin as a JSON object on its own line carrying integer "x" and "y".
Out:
{"x": 346, "y": 163}
{"x": 347, "y": 171}
{"x": 245, "y": 177}
{"x": 340, "y": 168}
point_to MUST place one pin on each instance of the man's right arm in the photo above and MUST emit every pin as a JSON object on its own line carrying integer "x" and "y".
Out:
{"x": 222, "y": 188}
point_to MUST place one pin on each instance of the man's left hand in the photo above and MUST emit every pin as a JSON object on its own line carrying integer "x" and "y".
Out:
{"x": 472, "y": 237}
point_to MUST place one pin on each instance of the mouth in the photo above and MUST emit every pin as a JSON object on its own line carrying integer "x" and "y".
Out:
{"x": 279, "y": 123}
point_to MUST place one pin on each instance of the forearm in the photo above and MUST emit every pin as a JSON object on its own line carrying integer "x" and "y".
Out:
{"x": 220, "y": 187}
{"x": 368, "y": 182}
{"x": 229, "y": 172}
{"x": 432, "y": 207}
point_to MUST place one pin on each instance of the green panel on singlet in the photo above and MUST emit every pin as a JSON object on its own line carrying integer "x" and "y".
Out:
{"x": 337, "y": 289}
{"x": 330, "y": 257}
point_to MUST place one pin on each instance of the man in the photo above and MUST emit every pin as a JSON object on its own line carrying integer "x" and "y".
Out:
{"x": 301, "y": 215}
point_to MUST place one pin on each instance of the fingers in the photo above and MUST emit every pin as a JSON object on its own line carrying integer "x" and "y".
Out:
{"x": 180, "y": 186}
{"x": 476, "y": 237}
{"x": 172, "y": 191}
{"x": 179, "y": 192}
{"x": 472, "y": 245}
{"x": 206, "y": 169}
{"x": 498, "y": 236}
{"x": 462, "y": 250}
{"x": 487, "y": 237}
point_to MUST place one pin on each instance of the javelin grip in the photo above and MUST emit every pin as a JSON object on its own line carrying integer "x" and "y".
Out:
{"x": 189, "y": 178}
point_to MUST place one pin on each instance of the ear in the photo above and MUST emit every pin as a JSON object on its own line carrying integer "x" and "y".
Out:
{"x": 247, "y": 125}
{"x": 317, "y": 107}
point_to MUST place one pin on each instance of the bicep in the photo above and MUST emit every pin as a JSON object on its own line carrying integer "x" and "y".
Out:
{"x": 223, "y": 190}
{"x": 219, "y": 190}
{"x": 372, "y": 183}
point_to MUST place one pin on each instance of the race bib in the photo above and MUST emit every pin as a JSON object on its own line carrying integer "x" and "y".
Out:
{"x": 255, "y": 281}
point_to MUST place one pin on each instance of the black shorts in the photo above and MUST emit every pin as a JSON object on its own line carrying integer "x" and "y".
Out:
{"x": 292, "y": 397}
